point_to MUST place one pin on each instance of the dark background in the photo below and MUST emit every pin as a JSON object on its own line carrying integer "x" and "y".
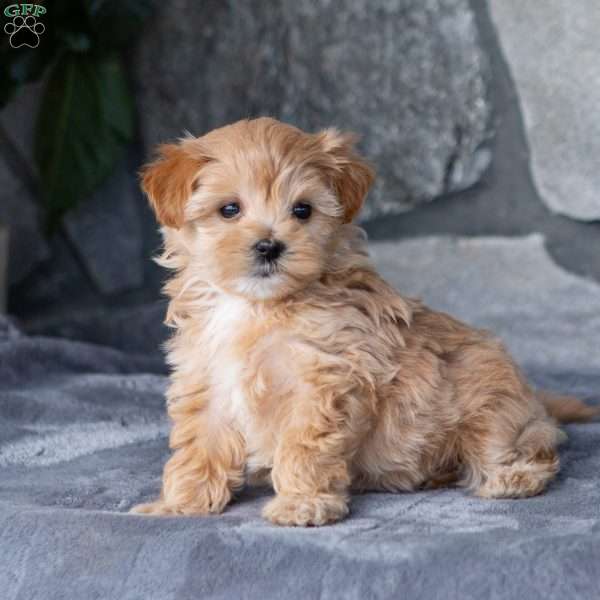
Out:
{"x": 463, "y": 130}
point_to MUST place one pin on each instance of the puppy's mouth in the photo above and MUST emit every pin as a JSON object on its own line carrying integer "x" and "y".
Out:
{"x": 267, "y": 269}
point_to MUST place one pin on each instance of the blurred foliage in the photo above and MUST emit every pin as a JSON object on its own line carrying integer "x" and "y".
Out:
{"x": 86, "y": 117}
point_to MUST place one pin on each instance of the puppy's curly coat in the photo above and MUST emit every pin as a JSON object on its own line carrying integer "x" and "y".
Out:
{"x": 295, "y": 363}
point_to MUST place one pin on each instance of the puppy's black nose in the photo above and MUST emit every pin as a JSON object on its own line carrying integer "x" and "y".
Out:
{"x": 269, "y": 250}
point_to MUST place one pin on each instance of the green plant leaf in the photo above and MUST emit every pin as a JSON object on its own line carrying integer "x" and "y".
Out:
{"x": 84, "y": 124}
{"x": 19, "y": 66}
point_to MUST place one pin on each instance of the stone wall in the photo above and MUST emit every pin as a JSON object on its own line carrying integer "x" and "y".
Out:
{"x": 553, "y": 52}
{"x": 409, "y": 76}
{"x": 485, "y": 108}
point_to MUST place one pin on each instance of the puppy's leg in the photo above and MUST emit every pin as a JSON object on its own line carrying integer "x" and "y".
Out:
{"x": 511, "y": 453}
{"x": 205, "y": 469}
{"x": 507, "y": 442}
{"x": 310, "y": 476}
{"x": 525, "y": 467}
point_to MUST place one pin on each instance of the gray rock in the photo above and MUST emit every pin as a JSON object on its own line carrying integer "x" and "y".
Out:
{"x": 552, "y": 49}
{"x": 18, "y": 120}
{"x": 505, "y": 202}
{"x": 9, "y": 329}
{"x": 55, "y": 286}
{"x": 27, "y": 246}
{"x": 547, "y": 317}
{"x": 135, "y": 329}
{"x": 18, "y": 209}
{"x": 3, "y": 265}
{"x": 107, "y": 234}
{"x": 408, "y": 75}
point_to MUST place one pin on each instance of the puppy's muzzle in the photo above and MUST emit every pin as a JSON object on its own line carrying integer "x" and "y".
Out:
{"x": 269, "y": 250}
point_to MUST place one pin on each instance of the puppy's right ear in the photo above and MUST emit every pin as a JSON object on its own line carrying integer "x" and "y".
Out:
{"x": 170, "y": 180}
{"x": 351, "y": 175}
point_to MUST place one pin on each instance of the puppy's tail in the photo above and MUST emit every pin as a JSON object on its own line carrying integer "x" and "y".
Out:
{"x": 567, "y": 409}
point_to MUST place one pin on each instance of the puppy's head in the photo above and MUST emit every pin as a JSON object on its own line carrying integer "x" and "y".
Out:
{"x": 255, "y": 206}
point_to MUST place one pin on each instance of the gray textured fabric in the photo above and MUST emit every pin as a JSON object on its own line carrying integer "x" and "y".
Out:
{"x": 83, "y": 437}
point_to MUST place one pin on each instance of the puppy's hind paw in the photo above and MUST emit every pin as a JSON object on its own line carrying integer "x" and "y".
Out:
{"x": 303, "y": 511}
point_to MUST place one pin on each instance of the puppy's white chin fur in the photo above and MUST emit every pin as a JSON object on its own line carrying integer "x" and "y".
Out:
{"x": 259, "y": 288}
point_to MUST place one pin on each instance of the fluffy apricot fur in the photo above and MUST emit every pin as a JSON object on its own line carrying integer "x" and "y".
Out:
{"x": 311, "y": 372}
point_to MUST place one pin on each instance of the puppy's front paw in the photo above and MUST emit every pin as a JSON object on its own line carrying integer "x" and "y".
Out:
{"x": 211, "y": 499}
{"x": 158, "y": 508}
{"x": 306, "y": 510}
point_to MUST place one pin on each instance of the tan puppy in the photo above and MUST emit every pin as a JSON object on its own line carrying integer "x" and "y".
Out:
{"x": 295, "y": 363}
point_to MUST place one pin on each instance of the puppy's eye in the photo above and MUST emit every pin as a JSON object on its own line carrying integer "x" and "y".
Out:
{"x": 230, "y": 210}
{"x": 302, "y": 210}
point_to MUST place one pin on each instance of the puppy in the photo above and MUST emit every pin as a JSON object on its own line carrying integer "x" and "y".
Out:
{"x": 295, "y": 364}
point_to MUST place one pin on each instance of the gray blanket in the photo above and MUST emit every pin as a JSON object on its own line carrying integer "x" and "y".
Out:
{"x": 83, "y": 437}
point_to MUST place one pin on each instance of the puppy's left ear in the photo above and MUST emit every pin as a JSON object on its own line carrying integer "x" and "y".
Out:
{"x": 351, "y": 176}
{"x": 171, "y": 179}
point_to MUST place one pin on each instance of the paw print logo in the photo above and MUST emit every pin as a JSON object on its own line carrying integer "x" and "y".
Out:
{"x": 24, "y": 31}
